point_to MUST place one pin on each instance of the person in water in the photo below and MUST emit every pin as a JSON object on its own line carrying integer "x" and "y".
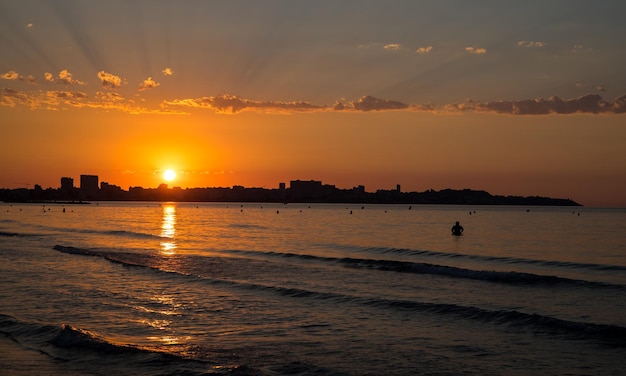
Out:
{"x": 457, "y": 229}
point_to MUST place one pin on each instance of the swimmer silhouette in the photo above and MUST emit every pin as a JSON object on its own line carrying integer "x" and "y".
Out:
{"x": 457, "y": 229}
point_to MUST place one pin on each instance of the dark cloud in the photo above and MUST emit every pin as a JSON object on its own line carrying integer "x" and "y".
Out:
{"x": 369, "y": 103}
{"x": 590, "y": 103}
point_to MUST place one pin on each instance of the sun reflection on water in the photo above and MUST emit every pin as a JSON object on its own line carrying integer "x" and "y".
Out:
{"x": 168, "y": 230}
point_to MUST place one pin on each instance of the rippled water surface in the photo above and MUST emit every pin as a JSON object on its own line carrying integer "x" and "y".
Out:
{"x": 266, "y": 289}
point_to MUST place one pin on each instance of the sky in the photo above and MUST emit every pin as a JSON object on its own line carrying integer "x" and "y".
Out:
{"x": 515, "y": 98}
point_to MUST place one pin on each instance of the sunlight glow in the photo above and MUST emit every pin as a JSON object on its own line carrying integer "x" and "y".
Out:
{"x": 168, "y": 230}
{"x": 169, "y": 175}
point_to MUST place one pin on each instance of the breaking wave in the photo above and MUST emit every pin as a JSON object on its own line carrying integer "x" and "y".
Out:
{"x": 76, "y": 347}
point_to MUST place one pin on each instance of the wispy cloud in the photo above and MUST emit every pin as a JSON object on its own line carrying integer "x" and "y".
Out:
{"x": 579, "y": 48}
{"x": 393, "y": 47}
{"x": 477, "y": 51}
{"x": 424, "y": 50}
{"x": 530, "y": 44}
{"x": 148, "y": 83}
{"x": 233, "y": 104}
{"x": 110, "y": 81}
{"x": 167, "y": 72}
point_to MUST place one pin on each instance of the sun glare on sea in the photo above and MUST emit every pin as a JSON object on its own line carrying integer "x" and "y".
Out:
{"x": 169, "y": 175}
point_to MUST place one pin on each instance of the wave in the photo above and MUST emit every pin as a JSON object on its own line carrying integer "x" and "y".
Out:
{"x": 131, "y": 234}
{"x": 499, "y": 259}
{"x": 247, "y": 226}
{"x": 16, "y": 234}
{"x": 611, "y": 335}
{"x": 6, "y": 220}
{"x": 121, "y": 233}
{"x": 83, "y": 348}
{"x": 441, "y": 270}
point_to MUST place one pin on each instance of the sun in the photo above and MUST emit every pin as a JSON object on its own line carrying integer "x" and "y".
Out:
{"x": 169, "y": 175}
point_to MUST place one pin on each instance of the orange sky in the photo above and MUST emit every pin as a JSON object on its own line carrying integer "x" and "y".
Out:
{"x": 233, "y": 94}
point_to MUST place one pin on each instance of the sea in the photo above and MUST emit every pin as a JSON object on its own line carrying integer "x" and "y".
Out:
{"x": 146, "y": 288}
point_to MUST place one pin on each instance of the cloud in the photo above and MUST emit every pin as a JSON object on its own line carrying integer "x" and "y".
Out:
{"x": 65, "y": 77}
{"x": 9, "y": 97}
{"x": 110, "y": 81}
{"x": 589, "y": 104}
{"x": 167, "y": 72}
{"x": 233, "y": 104}
{"x": 109, "y": 96}
{"x": 530, "y": 44}
{"x": 49, "y": 100}
{"x": 579, "y": 48}
{"x": 392, "y": 46}
{"x": 369, "y": 103}
{"x": 148, "y": 83}
{"x": 477, "y": 51}
{"x": 11, "y": 75}
{"x": 57, "y": 100}
{"x": 424, "y": 50}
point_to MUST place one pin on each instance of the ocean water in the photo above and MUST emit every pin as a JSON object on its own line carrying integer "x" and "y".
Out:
{"x": 268, "y": 289}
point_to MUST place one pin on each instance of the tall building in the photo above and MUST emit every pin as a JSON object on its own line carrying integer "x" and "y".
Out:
{"x": 89, "y": 187}
{"x": 67, "y": 191}
{"x": 67, "y": 184}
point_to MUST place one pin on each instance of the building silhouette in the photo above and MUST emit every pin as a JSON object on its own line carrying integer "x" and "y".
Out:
{"x": 67, "y": 190}
{"x": 312, "y": 191}
{"x": 67, "y": 184}
{"x": 89, "y": 187}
